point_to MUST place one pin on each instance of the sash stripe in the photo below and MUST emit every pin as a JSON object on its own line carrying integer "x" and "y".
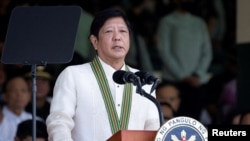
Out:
{"x": 114, "y": 121}
{"x": 126, "y": 107}
{"x": 109, "y": 103}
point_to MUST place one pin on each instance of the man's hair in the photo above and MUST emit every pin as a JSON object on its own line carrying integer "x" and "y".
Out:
{"x": 103, "y": 16}
{"x": 24, "y": 129}
{"x": 165, "y": 83}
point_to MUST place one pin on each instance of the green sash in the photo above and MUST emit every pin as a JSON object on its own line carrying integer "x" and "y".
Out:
{"x": 116, "y": 124}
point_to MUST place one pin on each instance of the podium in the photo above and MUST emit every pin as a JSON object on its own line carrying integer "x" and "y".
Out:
{"x": 133, "y": 135}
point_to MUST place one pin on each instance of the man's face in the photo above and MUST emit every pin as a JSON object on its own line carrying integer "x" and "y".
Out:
{"x": 113, "y": 40}
{"x": 17, "y": 93}
{"x": 169, "y": 94}
{"x": 43, "y": 87}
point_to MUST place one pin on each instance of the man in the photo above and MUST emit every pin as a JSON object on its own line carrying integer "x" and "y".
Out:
{"x": 87, "y": 104}
{"x": 185, "y": 49}
{"x": 16, "y": 96}
{"x": 43, "y": 87}
{"x": 167, "y": 92}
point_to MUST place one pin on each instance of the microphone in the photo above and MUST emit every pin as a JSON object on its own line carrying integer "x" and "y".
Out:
{"x": 147, "y": 78}
{"x": 122, "y": 77}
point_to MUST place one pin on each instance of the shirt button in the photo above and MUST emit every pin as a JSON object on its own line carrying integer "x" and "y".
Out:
{"x": 118, "y": 86}
{"x": 118, "y": 105}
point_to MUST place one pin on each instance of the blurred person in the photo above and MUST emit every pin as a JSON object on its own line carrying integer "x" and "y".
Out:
{"x": 6, "y": 126}
{"x": 25, "y": 132}
{"x": 167, "y": 92}
{"x": 142, "y": 14}
{"x": 245, "y": 118}
{"x": 138, "y": 55}
{"x": 184, "y": 48}
{"x": 43, "y": 90}
{"x": 167, "y": 110}
{"x": 16, "y": 96}
{"x": 84, "y": 94}
{"x": 214, "y": 13}
{"x": 143, "y": 18}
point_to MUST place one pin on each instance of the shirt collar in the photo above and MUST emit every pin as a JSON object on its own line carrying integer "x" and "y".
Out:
{"x": 109, "y": 70}
{"x": 10, "y": 114}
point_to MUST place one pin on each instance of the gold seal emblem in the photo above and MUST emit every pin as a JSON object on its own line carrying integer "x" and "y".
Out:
{"x": 182, "y": 129}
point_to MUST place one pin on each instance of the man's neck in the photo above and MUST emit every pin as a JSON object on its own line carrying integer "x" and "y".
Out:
{"x": 116, "y": 64}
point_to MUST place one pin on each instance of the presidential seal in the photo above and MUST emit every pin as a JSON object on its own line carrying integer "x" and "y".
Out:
{"x": 182, "y": 129}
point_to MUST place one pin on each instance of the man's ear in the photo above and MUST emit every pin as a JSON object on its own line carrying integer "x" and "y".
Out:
{"x": 93, "y": 40}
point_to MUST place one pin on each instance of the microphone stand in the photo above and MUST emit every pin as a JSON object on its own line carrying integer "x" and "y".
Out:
{"x": 34, "y": 90}
{"x": 150, "y": 97}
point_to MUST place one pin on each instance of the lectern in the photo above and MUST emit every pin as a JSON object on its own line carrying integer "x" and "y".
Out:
{"x": 133, "y": 135}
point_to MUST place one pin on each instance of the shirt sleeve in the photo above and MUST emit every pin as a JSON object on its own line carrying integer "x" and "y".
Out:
{"x": 59, "y": 122}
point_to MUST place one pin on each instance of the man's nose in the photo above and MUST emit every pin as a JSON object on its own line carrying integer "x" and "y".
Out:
{"x": 117, "y": 36}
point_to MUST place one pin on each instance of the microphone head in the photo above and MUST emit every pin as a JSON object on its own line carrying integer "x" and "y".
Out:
{"x": 122, "y": 77}
{"x": 146, "y": 77}
{"x": 118, "y": 76}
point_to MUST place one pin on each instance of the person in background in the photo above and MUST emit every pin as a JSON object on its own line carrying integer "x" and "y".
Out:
{"x": 25, "y": 132}
{"x": 16, "y": 96}
{"x": 245, "y": 118}
{"x": 167, "y": 110}
{"x": 138, "y": 55}
{"x": 6, "y": 126}
{"x": 184, "y": 46}
{"x": 43, "y": 90}
{"x": 167, "y": 92}
{"x": 87, "y": 104}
